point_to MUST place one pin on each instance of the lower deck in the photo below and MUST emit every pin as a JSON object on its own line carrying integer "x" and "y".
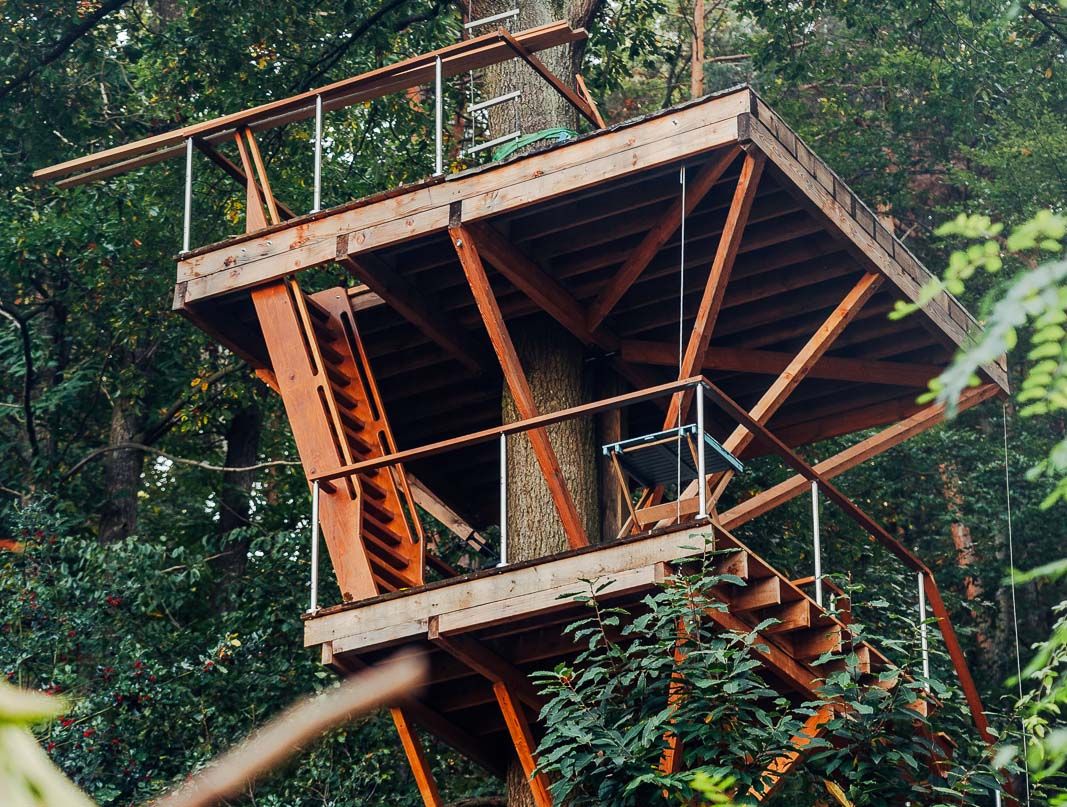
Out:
{"x": 499, "y": 625}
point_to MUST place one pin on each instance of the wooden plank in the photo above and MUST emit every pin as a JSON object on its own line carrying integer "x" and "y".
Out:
{"x": 771, "y": 362}
{"x": 757, "y": 594}
{"x": 557, "y": 84}
{"x": 486, "y": 663}
{"x": 849, "y": 458}
{"x": 517, "y": 384}
{"x": 580, "y": 81}
{"x": 373, "y": 223}
{"x": 664, "y": 228}
{"x": 523, "y": 740}
{"x": 719, "y": 276}
{"x": 460, "y": 57}
{"x": 416, "y": 755}
{"x": 536, "y": 284}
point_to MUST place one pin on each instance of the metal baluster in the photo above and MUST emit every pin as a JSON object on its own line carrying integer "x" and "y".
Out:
{"x": 314, "y": 546}
{"x": 188, "y": 223}
{"x": 701, "y": 475}
{"x": 503, "y": 500}
{"x": 317, "y": 204}
{"x": 818, "y": 541}
{"x": 439, "y": 119}
{"x": 923, "y": 638}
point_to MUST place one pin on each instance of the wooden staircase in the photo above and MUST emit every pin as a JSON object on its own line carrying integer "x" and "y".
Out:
{"x": 321, "y": 371}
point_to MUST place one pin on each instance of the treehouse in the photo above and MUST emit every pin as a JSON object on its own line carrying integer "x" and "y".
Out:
{"x": 711, "y": 223}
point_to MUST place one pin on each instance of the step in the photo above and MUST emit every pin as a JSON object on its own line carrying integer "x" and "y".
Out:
{"x": 376, "y": 510}
{"x": 337, "y": 378}
{"x": 357, "y": 443}
{"x": 379, "y": 549}
{"x": 370, "y": 487}
{"x": 316, "y": 309}
{"x": 349, "y": 403}
{"x": 350, "y": 420}
{"x": 373, "y": 525}
{"x": 791, "y": 617}
{"x": 814, "y": 642}
{"x": 757, "y": 594}
{"x": 330, "y": 355}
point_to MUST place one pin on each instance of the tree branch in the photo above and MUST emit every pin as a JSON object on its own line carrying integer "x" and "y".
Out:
{"x": 167, "y": 418}
{"x": 1046, "y": 20}
{"x": 63, "y": 44}
{"x": 207, "y": 466}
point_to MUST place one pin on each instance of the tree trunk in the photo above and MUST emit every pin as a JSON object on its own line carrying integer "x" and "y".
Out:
{"x": 554, "y": 361}
{"x": 122, "y": 473}
{"x": 235, "y": 496}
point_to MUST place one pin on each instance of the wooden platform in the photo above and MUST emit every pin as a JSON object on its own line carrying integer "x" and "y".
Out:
{"x": 503, "y": 623}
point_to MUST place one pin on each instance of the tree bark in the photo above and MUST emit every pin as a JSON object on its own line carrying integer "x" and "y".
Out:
{"x": 122, "y": 473}
{"x": 553, "y": 361}
{"x": 235, "y": 496}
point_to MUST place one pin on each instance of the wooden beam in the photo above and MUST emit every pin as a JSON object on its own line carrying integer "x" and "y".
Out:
{"x": 416, "y": 755}
{"x": 588, "y": 96}
{"x": 770, "y": 362}
{"x": 523, "y": 739}
{"x": 719, "y": 276}
{"x": 486, "y": 663}
{"x": 557, "y": 84}
{"x": 774, "y": 775}
{"x": 664, "y": 228}
{"x": 517, "y": 383}
{"x": 851, "y": 457}
{"x": 535, "y": 283}
{"x": 411, "y": 304}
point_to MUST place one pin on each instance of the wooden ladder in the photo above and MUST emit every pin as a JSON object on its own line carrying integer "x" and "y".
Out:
{"x": 320, "y": 368}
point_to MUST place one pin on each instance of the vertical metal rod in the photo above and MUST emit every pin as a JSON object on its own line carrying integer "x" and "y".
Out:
{"x": 317, "y": 204}
{"x": 923, "y": 638}
{"x": 503, "y": 500}
{"x": 817, "y": 539}
{"x": 996, "y": 798}
{"x": 188, "y": 223}
{"x": 701, "y": 475}
{"x": 314, "y": 546}
{"x": 439, "y": 165}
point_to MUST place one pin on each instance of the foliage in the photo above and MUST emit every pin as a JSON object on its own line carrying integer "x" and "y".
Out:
{"x": 670, "y": 670}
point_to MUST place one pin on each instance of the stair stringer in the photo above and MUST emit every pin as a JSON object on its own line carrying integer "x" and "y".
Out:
{"x": 303, "y": 338}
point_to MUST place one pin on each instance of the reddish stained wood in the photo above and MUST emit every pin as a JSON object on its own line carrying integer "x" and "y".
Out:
{"x": 535, "y": 283}
{"x": 517, "y": 383}
{"x": 851, "y": 457}
{"x": 416, "y": 755}
{"x": 774, "y": 775}
{"x": 580, "y": 81}
{"x": 264, "y": 182}
{"x": 523, "y": 739}
{"x": 255, "y": 215}
{"x": 667, "y": 225}
{"x": 721, "y": 266}
{"x": 746, "y": 360}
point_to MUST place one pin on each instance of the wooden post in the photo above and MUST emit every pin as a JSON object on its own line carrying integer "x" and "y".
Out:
{"x": 416, "y": 759}
{"x": 517, "y": 383}
{"x": 522, "y": 737}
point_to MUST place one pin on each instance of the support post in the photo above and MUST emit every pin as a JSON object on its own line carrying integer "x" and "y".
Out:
{"x": 416, "y": 755}
{"x": 522, "y": 737}
{"x": 317, "y": 203}
{"x": 503, "y": 500}
{"x": 817, "y": 541}
{"x": 923, "y": 634}
{"x": 187, "y": 224}
{"x": 314, "y": 546}
{"x": 702, "y": 476}
{"x": 439, "y": 163}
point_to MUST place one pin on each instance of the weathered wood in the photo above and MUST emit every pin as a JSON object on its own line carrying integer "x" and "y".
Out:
{"x": 719, "y": 276}
{"x": 460, "y": 57}
{"x": 523, "y": 740}
{"x": 554, "y": 81}
{"x": 664, "y": 228}
{"x": 417, "y": 761}
{"x": 517, "y": 383}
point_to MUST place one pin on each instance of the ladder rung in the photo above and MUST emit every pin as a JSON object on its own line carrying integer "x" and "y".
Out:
{"x": 503, "y": 15}
{"x": 351, "y": 421}
{"x": 331, "y": 355}
{"x": 372, "y": 488}
{"x": 348, "y": 402}
{"x": 494, "y": 142}
{"x": 500, "y": 99}
{"x": 378, "y": 548}
{"x": 357, "y": 442}
{"x": 377, "y": 510}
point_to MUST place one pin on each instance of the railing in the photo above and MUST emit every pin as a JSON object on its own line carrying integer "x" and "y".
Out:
{"x": 928, "y": 590}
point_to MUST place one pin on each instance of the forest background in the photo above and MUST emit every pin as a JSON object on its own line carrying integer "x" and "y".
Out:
{"x": 162, "y": 596}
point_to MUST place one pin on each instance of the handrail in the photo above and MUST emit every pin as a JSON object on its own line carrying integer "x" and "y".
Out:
{"x": 493, "y": 433}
